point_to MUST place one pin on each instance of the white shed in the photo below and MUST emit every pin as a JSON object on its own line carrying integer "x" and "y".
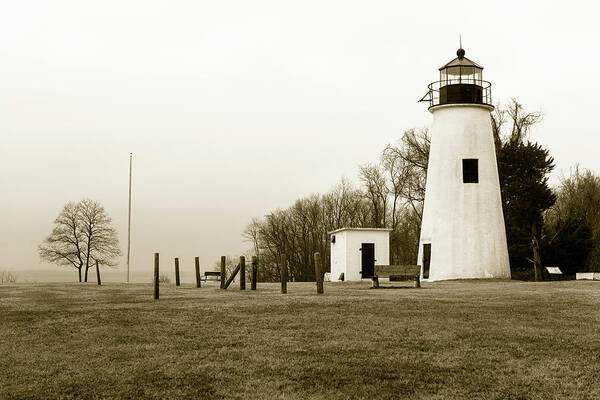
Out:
{"x": 356, "y": 251}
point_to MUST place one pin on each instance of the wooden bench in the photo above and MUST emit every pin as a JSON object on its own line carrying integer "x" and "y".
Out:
{"x": 216, "y": 274}
{"x": 401, "y": 271}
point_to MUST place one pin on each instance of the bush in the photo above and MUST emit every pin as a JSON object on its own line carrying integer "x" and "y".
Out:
{"x": 164, "y": 279}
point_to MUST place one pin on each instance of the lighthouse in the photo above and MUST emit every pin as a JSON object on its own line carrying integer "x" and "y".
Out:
{"x": 462, "y": 230}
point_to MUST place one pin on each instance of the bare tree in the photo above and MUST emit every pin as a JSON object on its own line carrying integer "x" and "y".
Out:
{"x": 398, "y": 176}
{"x": 338, "y": 201}
{"x": 397, "y": 170}
{"x": 511, "y": 124}
{"x": 376, "y": 191}
{"x": 521, "y": 121}
{"x": 251, "y": 234}
{"x": 82, "y": 236}
{"x": 414, "y": 145}
{"x": 101, "y": 240}
{"x": 345, "y": 206}
{"x": 64, "y": 245}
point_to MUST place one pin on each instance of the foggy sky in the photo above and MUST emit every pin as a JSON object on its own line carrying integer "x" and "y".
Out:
{"x": 235, "y": 108}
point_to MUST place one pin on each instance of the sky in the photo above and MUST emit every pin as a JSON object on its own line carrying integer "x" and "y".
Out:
{"x": 235, "y": 108}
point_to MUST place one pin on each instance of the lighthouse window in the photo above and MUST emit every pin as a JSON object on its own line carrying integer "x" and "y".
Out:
{"x": 470, "y": 170}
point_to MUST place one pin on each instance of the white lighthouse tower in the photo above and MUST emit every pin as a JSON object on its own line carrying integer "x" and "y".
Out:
{"x": 462, "y": 231}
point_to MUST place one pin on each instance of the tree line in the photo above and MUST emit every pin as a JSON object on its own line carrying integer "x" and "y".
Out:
{"x": 544, "y": 226}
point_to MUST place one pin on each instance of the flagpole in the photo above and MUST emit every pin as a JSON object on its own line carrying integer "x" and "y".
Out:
{"x": 129, "y": 219}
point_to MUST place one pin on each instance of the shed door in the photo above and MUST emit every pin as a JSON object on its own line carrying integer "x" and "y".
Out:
{"x": 368, "y": 259}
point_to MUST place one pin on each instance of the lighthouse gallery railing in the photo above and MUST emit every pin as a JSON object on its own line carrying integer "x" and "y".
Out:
{"x": 457, "y": 91}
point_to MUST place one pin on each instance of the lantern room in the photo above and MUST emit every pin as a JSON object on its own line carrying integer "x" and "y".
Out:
{"x": 461, "y": 70}
{"x": 460, "y": 83}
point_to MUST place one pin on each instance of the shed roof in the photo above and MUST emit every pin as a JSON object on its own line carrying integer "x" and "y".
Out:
{"x": 361, "y": 229}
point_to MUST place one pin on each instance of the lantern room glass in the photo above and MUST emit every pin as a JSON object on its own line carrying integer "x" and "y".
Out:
{"x": 461, "y": 74}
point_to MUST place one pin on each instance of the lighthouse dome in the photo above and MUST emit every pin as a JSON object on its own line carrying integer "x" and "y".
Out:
{"x": 461, "y": 61}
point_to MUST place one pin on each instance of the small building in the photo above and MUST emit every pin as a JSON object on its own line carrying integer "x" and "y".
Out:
{"x": 356, "y": 251}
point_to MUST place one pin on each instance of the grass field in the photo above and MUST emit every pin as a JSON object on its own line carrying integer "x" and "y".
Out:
{"x": 451, "y": 340}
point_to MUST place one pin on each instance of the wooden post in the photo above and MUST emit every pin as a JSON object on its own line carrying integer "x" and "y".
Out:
{"x": 198, "y": 284}
{"x": 223, "y": 261}
{"x": 155, "y": 276}
{"x": 375, "y": 280}
{"x": 177, "y": 282}
{"x": 418, "y": 281}
{"x": 318, "y": 273}
{"x": 254, "y": 272}
{"x": 283, "y": 274}
{"x": 98, "y": 273}
{"x": 242, "y": 273}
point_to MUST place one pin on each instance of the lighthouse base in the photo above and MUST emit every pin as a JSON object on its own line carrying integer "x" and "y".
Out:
{"x": 462, "y": 230}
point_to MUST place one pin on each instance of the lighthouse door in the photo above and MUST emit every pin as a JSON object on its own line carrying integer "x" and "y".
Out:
{"x": 367, "y": 259}
{"x": 426, "y": 259}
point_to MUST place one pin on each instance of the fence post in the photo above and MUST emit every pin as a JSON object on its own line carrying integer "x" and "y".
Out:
{"x": 254, "y": 272}
{"x": 242, "y": 273}
{"x": 155, "y": 276}
{"x": 283, "y": 274}
{"x": 318, "y": 273}
{"x": 177, "y": 271}
{"x": 197, "y": 260}
{"x": 223, "y": 261}
{"x": 418, "y": 281}
{"x": 98, "y": 273}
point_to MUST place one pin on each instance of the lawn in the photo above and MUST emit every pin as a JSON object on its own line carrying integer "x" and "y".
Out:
{"x": 450, "y": 340}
